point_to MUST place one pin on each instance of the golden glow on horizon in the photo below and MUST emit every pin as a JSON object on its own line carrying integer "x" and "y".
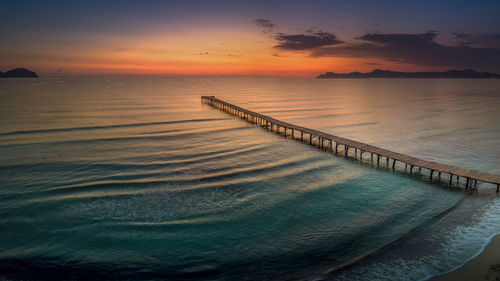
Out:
{"x": 196, "y": 52}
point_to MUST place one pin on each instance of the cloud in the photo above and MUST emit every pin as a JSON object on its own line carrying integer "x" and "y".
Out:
{"x": 311, "y": 29}
{"x": 372, "y": 63}
{"x": 300, "y": 42}
{"x": 400, "y": 39}
{"x": 419, "y": 49}
{"x": 396, "y": 60}
{"x": 460, "y": 35}
{"x": 479, "y": 40}
{"x": 264, "y": 23}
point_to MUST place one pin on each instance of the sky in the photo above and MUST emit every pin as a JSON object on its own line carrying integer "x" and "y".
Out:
{"x": 256, "y": 38}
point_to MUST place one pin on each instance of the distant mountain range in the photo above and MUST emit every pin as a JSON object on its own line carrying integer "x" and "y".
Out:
{"x": 379, "y": 73}
{"x": 18, "y": 73}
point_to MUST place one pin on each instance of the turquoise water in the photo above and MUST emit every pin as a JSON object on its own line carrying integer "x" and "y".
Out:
{"x": 134, "y": 178}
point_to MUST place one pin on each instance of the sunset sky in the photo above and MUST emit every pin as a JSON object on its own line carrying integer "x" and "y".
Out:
{"x": 275, "y": 38}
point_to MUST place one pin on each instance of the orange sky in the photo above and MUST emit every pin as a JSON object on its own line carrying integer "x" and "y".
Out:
{"x": 241, "y": 50}
{"x": 220, "y": 53}
{"x": 226, "y": 38}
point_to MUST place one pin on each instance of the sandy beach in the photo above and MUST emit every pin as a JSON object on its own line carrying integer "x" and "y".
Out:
{"x": 486, "y": 266}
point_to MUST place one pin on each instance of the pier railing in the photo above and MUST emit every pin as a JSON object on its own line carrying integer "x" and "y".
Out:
{"x": 333, "y": 143}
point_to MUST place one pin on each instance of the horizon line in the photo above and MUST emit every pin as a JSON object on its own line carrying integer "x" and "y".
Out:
{"x": 280, "y": 75}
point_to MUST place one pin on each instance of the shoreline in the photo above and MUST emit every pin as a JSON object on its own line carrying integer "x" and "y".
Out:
{"x": 485, "y": 266}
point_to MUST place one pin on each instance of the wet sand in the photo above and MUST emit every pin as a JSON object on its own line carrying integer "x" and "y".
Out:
{"x": 486, "y": 266}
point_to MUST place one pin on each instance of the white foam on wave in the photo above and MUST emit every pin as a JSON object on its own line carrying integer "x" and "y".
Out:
{"x": 456, "y": 246}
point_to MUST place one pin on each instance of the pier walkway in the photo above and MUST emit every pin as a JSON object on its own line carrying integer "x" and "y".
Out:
{"x": 332, "y": 143}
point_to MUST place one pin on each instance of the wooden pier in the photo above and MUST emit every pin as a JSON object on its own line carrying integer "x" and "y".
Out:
{"x": 333, "y": 143}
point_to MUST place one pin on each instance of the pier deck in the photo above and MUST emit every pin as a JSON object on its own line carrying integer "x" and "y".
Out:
{"x": 332, "y": 143}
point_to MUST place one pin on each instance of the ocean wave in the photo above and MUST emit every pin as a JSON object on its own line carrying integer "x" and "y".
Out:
{"x": 59, "y": 130}
{"x": 452, "y": 247}
{"x": 225, "y": 181}
{"x": 170, "y": 137}
{"x": 384, "y": 248}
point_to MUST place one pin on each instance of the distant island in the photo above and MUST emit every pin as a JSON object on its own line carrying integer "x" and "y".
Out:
{"x": 379, "y": 73}
{"x": 18, "y": 73}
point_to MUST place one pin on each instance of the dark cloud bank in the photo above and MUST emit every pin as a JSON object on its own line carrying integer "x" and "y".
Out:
{"x": 263, "y": 23}
{"x": 480, "y": 52}
{"x": 305, "y": 42}
{"x": 419, "y": 49}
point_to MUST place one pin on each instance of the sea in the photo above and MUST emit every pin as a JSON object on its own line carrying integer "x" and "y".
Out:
{"x": 134, "y": 178}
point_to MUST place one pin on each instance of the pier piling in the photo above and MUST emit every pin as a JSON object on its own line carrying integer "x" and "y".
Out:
{"x": 472, "y": 176}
